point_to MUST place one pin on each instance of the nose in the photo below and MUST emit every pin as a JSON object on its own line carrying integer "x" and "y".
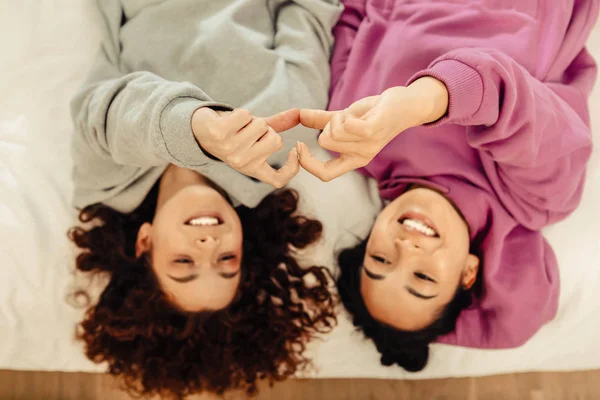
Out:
{"x": 406, "y": 243}
{"x": 206, "y": 242}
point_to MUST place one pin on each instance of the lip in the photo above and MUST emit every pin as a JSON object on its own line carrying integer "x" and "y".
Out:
{"x": 205, "y": 214}
{"x": 418, "y": 217}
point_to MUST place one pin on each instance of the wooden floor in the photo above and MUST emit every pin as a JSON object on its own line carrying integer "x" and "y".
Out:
{"x": 15, "y": 385}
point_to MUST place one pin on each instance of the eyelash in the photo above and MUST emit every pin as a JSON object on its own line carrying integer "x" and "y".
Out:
{"x": 188, "y": 261}
{"x": 423, "y": 277}
{"x": 380, "y": 260}
{"x": 419, "y": 275}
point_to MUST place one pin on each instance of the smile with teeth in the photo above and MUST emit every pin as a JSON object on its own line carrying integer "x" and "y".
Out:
{"x": 419, "y": 226}
{"x": 204, "y": 221}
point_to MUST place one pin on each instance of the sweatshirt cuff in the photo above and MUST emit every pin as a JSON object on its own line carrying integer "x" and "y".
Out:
{"x": 177, "y": 134}
{"x": 465, "y": 89}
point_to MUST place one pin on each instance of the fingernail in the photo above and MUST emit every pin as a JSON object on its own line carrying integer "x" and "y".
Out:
{"x": 295, "y": 153}
{"x": 298, "y": 147}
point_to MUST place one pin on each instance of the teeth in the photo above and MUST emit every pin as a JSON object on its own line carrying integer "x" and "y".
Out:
{"x": 419, "y": 226}
{"x": 204, "y": 221}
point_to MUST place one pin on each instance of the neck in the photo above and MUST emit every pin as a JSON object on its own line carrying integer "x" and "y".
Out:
{"x": 176, "y": 178}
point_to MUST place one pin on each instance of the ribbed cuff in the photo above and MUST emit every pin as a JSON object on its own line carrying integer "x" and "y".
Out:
{"x": 465, "y": 89}
{"x": 176, "y": 128}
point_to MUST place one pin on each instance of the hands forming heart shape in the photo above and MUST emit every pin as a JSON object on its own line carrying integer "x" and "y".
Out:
{"x": 357, "y": 133}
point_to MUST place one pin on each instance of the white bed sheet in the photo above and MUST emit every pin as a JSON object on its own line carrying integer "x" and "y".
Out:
{"x": 47, "y": 49}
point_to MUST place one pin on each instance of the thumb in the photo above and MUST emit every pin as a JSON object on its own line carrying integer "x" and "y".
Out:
{"x": 200, "y": 118}
{"x": 207, "y": 112}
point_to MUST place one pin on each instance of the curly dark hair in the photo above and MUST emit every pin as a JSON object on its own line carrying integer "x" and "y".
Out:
{"x": 408, "y": 349}
{"x": 158, "y": 349}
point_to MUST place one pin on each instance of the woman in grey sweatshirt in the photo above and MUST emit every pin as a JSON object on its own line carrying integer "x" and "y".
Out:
{"x": 204, "y": 292}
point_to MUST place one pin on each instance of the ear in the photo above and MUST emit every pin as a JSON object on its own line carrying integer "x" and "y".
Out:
{"x": 469, "y": 275}
{"x": 144, "y": 239}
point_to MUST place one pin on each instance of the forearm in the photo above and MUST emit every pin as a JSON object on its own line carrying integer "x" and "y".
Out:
{"x": 140, "y": 119}
{"x": 534, "y": 137}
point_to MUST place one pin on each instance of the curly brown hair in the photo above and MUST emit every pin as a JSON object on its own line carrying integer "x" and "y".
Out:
{"x": 156, "y": 348}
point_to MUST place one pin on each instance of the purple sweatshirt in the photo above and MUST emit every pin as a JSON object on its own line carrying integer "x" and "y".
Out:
{"x": 512, "y": 150}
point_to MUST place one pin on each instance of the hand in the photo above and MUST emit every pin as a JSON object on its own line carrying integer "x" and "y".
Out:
{"x": 245, "y": 142}
{"x": 361, "y": 131}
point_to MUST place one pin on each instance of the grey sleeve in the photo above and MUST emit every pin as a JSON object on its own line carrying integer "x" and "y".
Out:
{"x": 126, "y": 123}
{"x": 304, "y": 40}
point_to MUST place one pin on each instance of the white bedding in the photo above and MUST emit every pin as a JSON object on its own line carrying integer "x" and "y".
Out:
{"x": 47, "y": 49}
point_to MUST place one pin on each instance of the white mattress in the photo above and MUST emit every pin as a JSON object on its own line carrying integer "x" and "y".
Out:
{"x": 47, "y": 49}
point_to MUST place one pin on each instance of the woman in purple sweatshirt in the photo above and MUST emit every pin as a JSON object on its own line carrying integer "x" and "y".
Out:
{"x": 473, "y": 118}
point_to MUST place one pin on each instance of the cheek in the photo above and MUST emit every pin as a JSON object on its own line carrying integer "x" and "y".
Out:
{"x": 165, "y": 285}
{"x": 219, "y": 295}
{"x": 460, "y": 250}
{"x": 378, "y": 231}
{"x": 164, "y": 232}
{"x": 449, "y": 267}
{"x": 365, "y": 289}
{"x": 167, "y": 241}
{"x": 237, "y": 236}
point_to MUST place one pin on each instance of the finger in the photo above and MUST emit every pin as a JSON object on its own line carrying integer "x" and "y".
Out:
{"x": 360, "y": 107}
{"x": 222, "y": 113}
{"x": 251, "y": 133}
{"x": 235, "y": 121}
{"x": 281, "y": 177}
{"x": 315, "y": 119}
{"x": 268, "y": 144}
{"x": 324, "y": 171}
{"x": 359, "y": 127}
{"x": 207, "y": 112}
{"x": 337, "y": 139}
{"x": 349, "y": 148}
{"x": 285, "y": 120}
{"x": 337, "y": 131}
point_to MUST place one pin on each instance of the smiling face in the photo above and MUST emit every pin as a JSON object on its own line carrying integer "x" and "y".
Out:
{"x": 195, "y": 242}
{"x": 416, "y": 257}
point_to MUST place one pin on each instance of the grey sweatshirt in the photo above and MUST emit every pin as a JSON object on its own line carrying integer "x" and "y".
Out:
{"x": 160, "y": 60}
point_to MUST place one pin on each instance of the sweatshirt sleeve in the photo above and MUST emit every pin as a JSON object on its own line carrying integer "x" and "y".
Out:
{"x": 345, "y": 32}
{"x": 521, "y": 294}
{"x": 533, "y": 135}
{"x": 304, "y": 40}
{"x": 128, "y": 122}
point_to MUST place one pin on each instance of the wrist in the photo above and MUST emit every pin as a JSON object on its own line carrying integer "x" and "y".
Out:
{"x": 433, "y": 99}
{"x": 198, "y": 117}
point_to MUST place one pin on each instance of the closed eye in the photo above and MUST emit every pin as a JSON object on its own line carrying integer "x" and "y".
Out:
{"x": 379, "y": 259}
{"x": 184, "y": 261}
{"x": 228, "y": 257}
{"x": 424, "y": 277}
{"x": 230, "y": 275}
{"x": 371, "y": 275}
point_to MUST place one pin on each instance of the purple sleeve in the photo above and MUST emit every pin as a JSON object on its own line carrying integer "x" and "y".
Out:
{"x": 345, "y": 32}
{"x": 534, "y": 136}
